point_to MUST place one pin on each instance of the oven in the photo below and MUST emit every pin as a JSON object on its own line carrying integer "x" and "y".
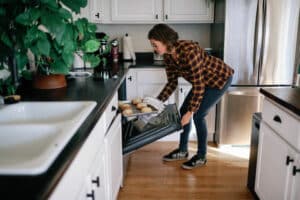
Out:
{"x": 134, "y": 136}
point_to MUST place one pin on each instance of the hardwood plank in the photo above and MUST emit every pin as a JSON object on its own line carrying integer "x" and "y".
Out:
{"x": 148, "y": 177}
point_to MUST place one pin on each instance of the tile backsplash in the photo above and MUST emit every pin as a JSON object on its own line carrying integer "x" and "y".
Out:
{"x": 138, "y": 32}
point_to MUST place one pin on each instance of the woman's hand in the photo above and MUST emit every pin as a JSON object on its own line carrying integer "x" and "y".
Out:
{"x": 186, "y": 118}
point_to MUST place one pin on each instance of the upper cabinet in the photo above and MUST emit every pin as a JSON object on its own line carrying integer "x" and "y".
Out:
{"x": 97, "y": 11}
{"x": 150, "y": 11}
{"x": 136, "y": 11}
{"x": 189, "y": 11}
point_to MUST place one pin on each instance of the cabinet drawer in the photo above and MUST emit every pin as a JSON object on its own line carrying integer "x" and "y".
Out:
{"x": 111, "y": 110}
{"x": 286, "y": 125}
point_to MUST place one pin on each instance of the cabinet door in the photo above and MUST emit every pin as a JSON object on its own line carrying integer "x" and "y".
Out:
{"x": 113, "y": 147}
{"x": 295, "y": 182}
{"x": 131, "y": 84}
{"x": 272, "y": 173}
{"x": 194, "y": 11}
{"x": 136, "y": 11}
{"x": 146, "y": 82}
{"x": 98, "y": 176}
{"x": 75, "y": 181}
{"x": 95, "y": 186}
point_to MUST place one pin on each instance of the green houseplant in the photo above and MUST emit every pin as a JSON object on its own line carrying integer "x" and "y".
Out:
{"x": 48, "y": 30}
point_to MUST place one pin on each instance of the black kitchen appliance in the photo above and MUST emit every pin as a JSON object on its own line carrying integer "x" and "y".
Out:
{"x": 133, "y": 138}
{"x": 165, "y": 123}
{"x": 256, "y": 119}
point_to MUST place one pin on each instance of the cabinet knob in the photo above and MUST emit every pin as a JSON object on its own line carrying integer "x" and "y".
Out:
{"x": 166, "y": 16}
{"x": 276, "y": 118}
{"x": 181, "y": 90}
{"x": 289, "y": 160}
{"x": 130, "y": 78}
{"x": 97, "y": 15}
{"x": 96, "y": 181}
{"x": 113, "y": 108}
{"x": 91, "y": 195}
{"x": 156, "y": 16}
{"x": 295, "y": 170}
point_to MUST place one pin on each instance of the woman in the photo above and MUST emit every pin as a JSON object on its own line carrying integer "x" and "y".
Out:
{"x": 210, "y": 77}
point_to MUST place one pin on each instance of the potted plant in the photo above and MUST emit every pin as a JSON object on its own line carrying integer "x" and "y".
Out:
{"x": 47, "y": 30}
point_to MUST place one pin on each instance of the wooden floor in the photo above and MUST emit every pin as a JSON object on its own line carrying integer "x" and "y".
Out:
{"x": 148, "y": 177}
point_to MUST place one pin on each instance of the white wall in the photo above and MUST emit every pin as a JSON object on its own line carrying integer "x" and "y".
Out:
{"x": 139, "y": 32}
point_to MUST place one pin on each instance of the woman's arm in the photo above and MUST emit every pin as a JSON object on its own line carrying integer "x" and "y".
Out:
{"x": 171, "y": 84}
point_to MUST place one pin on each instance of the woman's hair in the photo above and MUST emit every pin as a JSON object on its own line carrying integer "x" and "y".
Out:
{"x": 164, "y": 34}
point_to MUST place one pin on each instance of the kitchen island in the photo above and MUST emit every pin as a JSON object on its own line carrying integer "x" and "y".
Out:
{"x": 289, "y": 98}
{"x": 278, "y": 160}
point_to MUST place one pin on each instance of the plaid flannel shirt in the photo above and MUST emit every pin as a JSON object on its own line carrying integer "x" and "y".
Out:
{"x": 200, "y": 69}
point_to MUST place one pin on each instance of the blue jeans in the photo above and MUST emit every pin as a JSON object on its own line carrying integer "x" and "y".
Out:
{"x": 210, "y": 98}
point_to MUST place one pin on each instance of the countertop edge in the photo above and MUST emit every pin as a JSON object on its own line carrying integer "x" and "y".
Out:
{"x": 291, "y": 107}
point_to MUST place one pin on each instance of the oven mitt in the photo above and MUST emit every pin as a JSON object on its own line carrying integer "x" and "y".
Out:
{"x": 154, "y": 102}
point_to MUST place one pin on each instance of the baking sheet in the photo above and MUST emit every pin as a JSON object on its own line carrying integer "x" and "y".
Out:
{"x": 136, "y": 111}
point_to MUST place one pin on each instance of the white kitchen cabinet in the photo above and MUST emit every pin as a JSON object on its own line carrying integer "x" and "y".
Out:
{"x": 78, "y": 181}
{"x": 96, "y": 11}
{"x": 194, "y": 11}
{"x": 155, "y": 11}
{"x": 136, "y": 11}
{"x": 278, "y": 159}
{"x": 146, "y": 82}
{"x": 113, "y": 147}
{"x": 95, "y": 186}
{"x": 96, "y": 171}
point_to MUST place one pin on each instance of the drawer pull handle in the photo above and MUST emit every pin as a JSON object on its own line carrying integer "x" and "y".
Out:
{"x": 288, "y": 160}
{"x": 277, "y": 119}
{"x": 295, "y": 170}
{"x": 91, "y": 195}
{"x": 96, "y": 181}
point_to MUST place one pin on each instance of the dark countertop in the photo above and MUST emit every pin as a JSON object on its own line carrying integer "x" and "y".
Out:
{"x": 78, "y": 89}
{"x": 287, "y": 97}
{"x": 145, "y": 60}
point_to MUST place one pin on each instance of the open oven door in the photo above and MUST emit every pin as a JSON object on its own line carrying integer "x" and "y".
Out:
{"x": 137, "y": 133}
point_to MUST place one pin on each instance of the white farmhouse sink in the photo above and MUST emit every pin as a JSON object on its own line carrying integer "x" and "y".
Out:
{"x": 32, "y": 134}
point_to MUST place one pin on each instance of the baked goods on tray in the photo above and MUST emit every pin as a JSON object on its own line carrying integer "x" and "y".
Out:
{"x": 135, "y": 107}
{"x": 146, "y": 109}
{"x": 127, "y": 111}
{"x": 136, "y": 101}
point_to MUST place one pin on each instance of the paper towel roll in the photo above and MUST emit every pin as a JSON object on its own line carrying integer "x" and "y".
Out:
{"x": 128, "y": 52}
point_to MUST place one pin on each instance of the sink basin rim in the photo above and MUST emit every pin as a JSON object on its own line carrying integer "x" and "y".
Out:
{"x": 41, "y": 162}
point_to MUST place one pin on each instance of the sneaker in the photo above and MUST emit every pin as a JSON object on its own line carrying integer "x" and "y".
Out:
{"x": 176, "y": 155}
{"x": 194, "y": 162}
